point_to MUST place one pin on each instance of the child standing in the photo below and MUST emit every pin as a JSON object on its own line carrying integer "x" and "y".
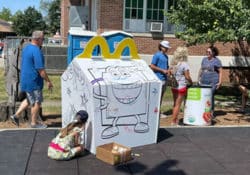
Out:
{"x": 67, "y": 143}
{"x": 180, "y": 71}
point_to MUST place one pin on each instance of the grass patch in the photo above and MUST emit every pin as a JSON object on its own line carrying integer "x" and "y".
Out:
{"x": 51, "y": 96}
{"x": 225, "y": 98}
{"x": 55, "y": 95}
{"x": 167, "y": 101}
{"x": 50, "y": 110}
{"x": 228, "y": 91}
{"x": 225, "y": 93}
{"x": 3, "y": 94}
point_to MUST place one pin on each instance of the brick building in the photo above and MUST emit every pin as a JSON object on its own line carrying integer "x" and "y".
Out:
{"x": 136, "y": 17}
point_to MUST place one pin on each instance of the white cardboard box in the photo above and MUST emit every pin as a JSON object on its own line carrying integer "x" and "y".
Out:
{"x": 122, "y": 98}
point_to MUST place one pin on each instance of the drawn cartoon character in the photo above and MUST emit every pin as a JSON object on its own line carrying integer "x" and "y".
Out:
{"x": 122, "y": 97}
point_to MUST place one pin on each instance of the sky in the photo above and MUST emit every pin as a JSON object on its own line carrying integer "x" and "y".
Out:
{"x": 15, "y": 5}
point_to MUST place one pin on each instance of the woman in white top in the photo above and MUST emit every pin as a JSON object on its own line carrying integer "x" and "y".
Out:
{"x": 180, "y": 70}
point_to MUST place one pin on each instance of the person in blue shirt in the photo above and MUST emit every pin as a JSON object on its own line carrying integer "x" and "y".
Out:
{"x": 159, "y": 64}
{"x": 211, "y": 72}
{"x": 32, "y": 76}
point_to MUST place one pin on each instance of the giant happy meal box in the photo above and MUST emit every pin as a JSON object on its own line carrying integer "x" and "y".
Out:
{"x": 121, "y": 95}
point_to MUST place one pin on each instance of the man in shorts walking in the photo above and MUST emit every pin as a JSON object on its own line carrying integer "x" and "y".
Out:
{"x": 33, "y": 75}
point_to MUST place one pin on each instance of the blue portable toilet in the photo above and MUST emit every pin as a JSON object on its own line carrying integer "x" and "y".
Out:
{"x": 114, "y": 37}
{"x": 77, "y": 40}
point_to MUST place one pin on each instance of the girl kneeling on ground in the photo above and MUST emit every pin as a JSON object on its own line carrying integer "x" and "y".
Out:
{"x": 67, "y": 144}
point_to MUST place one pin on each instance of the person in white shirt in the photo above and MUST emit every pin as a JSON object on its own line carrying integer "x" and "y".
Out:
{"x": 181, "y": 71}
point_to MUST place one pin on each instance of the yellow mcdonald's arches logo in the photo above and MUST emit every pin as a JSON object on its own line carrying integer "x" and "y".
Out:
{"x": 99, "y": 40}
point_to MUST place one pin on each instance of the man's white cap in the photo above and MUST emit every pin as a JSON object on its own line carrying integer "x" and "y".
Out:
{"x": 165, "y": 44}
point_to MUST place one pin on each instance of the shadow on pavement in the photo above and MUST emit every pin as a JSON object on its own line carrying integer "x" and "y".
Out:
{"x": 163, "y": 134}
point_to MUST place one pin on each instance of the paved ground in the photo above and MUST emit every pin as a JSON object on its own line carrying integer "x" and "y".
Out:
{"x": 179, "y": 151}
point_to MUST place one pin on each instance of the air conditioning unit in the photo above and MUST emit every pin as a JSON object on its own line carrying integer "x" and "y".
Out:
{"x": 156, "y": 27}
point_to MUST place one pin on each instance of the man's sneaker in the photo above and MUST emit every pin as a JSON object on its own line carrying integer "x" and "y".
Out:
{"x": 39, "y": 126}
{"x": 14, "y": 120}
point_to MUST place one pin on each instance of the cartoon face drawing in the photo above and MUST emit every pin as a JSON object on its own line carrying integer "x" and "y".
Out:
{"x": 126, "y": 85}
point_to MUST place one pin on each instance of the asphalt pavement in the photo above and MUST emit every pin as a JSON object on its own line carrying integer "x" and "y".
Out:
{"x": 179, "y": 151}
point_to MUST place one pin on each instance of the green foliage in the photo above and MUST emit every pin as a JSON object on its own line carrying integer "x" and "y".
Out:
{"x": 25, "y": 22}
{"x": 3, "y": 94}
{"x": 5, "y": 14}
{"x": 44, "y": 5}
{"x": 28, "y": 21}
{"x": 208, "y": 21}
{"x": 54, "y": 16}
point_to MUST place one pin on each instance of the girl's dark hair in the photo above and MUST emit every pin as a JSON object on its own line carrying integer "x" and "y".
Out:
{"x": 80, "y": 119}
{"x": 214, "y": 50}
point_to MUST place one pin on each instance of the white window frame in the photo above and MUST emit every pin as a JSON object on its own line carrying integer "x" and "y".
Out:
{"x": 143, "y": 26}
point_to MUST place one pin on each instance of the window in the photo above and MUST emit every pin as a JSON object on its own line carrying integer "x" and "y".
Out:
{"x": 155, "y": 10}
{"x": 139, "y": 14}
{"x": 171, "y": 4}
{"x": 134, "y": 9}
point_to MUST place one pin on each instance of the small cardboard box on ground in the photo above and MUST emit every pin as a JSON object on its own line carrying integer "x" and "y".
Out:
{"x": 113, "y": 153}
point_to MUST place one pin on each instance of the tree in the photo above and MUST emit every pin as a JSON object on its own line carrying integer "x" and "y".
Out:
{"x": 24, "y": 23}
{"x": 54, "y": 16}
{"x": 208, "y": 21}
{"x": 5, "y": 14}
{"x": 44, "y": 5}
